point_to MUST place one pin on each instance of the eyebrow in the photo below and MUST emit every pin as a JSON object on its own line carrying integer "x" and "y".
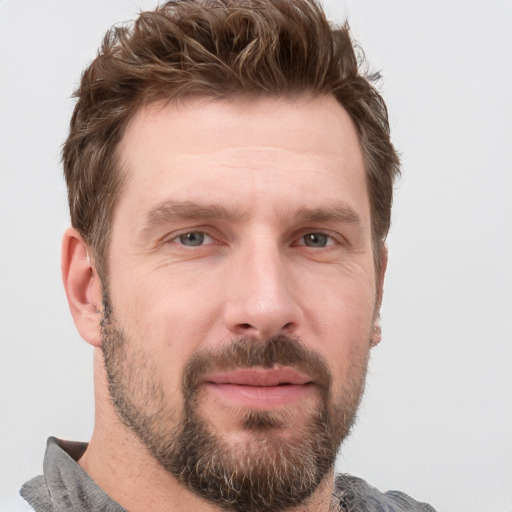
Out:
{"x": 170, "y": 210}
{"x": 340, "y": 213}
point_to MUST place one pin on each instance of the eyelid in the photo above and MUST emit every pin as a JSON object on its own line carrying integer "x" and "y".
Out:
{"x": 337, "y": 238}
{"x": 174, "y": 237}
{"x": 207, "y": 239}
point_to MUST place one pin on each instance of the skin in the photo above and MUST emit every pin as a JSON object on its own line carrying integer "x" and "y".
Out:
{"x": 273, "y": 164}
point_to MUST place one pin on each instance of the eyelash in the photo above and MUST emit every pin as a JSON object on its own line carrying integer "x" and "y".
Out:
{"x": 331, "y": 240}
{"x": 176, "y": 239}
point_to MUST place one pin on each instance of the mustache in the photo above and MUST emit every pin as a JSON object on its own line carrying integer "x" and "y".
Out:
{"x": 249, "y": 353}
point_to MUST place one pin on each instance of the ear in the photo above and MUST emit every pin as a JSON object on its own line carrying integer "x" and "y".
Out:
{"x": 376, "y": 330}
{"x": 83, "y": 287}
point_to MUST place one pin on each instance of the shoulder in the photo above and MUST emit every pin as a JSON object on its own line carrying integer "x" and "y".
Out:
{"x": 14, "y": 504}
{"x": 355, "y": 495}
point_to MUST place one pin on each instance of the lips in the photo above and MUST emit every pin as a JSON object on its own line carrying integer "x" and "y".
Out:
{"x": 259, "y": 377}
{"x": 259, "y": 388}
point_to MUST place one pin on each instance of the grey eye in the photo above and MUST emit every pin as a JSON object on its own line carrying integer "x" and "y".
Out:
{"x": 192, "y": 239}
{"x": 316, "y": 239}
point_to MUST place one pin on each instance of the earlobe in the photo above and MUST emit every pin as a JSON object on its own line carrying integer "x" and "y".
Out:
{"x": 83, "y": 287}
{"x": 376, "y": 333}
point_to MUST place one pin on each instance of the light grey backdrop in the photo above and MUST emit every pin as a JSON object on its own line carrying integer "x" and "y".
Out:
{"x": 436, "y": 420}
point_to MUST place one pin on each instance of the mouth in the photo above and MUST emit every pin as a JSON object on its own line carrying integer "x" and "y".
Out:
{"x": 259, "y": 389}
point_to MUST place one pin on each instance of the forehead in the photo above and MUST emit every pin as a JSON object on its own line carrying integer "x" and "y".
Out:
{"x": 279, "y": 151}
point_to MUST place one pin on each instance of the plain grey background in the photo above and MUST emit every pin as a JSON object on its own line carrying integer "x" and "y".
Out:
{"x": 436, "y": 420}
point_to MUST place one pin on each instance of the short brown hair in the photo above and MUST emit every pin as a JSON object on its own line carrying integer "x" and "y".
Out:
{"x": 218, "y": 49}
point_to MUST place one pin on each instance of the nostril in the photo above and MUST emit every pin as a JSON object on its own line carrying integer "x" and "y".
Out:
{"x": 246, "y": 326}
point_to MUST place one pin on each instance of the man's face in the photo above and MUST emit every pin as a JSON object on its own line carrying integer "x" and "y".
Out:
{"x": 242, "y": 293}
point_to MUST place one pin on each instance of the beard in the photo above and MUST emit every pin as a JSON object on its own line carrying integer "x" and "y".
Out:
{"x": 291, "y": 451}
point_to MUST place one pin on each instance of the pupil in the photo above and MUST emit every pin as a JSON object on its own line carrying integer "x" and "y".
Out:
{"x": 192, "y": 239}
{"x": 316, "y": 240}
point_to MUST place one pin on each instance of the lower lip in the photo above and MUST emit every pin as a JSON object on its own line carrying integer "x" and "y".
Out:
{"x": 260, "y": 398}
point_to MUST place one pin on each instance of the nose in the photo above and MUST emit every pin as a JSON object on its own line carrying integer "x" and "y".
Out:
{"x": 261, "y": 301}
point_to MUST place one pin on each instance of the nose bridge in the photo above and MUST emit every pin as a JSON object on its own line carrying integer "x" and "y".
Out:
{"x": 261, "y": 302}
{"x": 265, "y": 274}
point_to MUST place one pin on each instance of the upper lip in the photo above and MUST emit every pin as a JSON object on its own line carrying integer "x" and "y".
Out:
{"x": 258, "y": 377}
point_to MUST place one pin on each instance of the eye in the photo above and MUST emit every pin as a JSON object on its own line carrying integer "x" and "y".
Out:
{"x": 317, "y": 240}
{"x": 193, "y": 239}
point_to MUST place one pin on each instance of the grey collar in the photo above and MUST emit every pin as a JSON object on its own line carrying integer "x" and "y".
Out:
{"x": 65, "y": 485}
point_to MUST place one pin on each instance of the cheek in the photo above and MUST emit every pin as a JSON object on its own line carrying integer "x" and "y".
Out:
{"x": 171, "y": 312}
{"x": 341, "y": 300}
{"x": 340, "y": 315}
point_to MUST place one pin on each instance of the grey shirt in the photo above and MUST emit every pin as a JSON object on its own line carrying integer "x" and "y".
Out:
{"x": 65, "y": 486}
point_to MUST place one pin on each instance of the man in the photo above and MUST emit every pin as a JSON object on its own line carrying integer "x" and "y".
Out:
{"x": 230, "y": 181}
